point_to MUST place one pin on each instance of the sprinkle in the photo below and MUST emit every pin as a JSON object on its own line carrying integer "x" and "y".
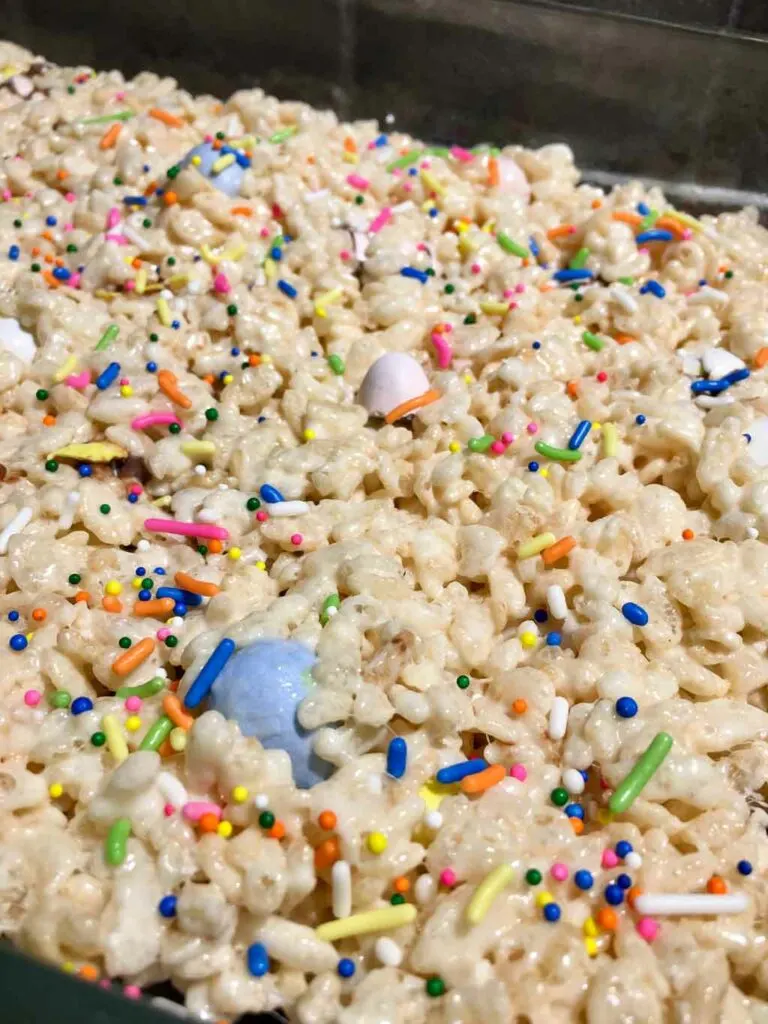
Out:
{"x": 119, "y": 115}
{"x": 168, "y": 384}
{"x": 634, "y": 613}
{"x": 108, "y": 376}
{"x": 638, "y": 778}
{"x": 257, "y": 959}
{"x": 570, "y": 276}
{"x": 109, "y": 139}
{"x": 404, "y": 161}
{"x": 494, "y": 883}
{"x": 480, "y": 444}
{"x": 579, "y": 435}
{"x": 107, "y": 338}
{"x": 22, "y": 518}
{"x": 558, "y": 718}
{"x": 115, "y": 846}
{"x": 494, "y": 308}
{"x": 592, "y": 341}
{"x": 479, "y": 782}
{"x": 654, "y": 288}
{"x": 380, "y": 220}
{"x": 536, "y": 545}
{"x": 579, "y": 260}
{"x": 336, "y": 364}
{"x": 208, "y": 674}
{"x": 185, "y": 529}
{"x": 198, "y": 449}
{"x": 443, "y": 349}
{"x": 287, "y": 289}
{"x": 557, "y": 551}
{"x": 370, "y": 921}
{"x": 626, "y": 707}
{"x": 145, "y": 690}
{"x": 341, "y": 889}
{"x": 397, "y": 758}
{"x": 377, "y": 842}
{"x": 284, "y": 134}
{"x": 165, "y": 117}
{"x": 133, "y": 657}
{"x": 116, "y": 743}
{"x": 194, "y": 810}
{"x": 510, "y": 245}
{"x": 415, "y": 273}
{"x": 744, "y": 867}
{"x": 270, "y": 494}
{"x": 654, "y": 236}
{"x": 689, "y": 904}
{"x": 457, "y": 772}
{"x": 558, "y": 454}
{"x": 164, "y": 314}
{"x": 154, "y": 419}
{"x": 157, "y": 733}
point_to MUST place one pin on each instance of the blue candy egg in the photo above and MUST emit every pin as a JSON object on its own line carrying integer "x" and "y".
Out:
{"x": 260, "y": 687}
{"x": 229, "y": 180}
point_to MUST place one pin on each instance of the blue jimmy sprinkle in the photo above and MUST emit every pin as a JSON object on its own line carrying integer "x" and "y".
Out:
{"x": 397, "y": 757}
{"x": 287, "y": 288}
{"x": 457, "y": 772}
{"x": 417, "y": 275}
{"x": 654, "y": 236}
{"x": 579, "y": 435}
{"x": 108, "y": 376}
{"x": 135, "y": 200}
{"x": 654, "y": 288}
{"x": 270, "y": 494}
{"x": 568, "y": 276}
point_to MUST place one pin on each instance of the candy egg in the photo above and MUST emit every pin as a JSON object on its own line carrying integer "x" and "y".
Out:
{"x": 216, "y": 167}
{"x": 717, "y": 362}
{"x": 512, "y": 179}
{"x": 395, "y": 386}
{"x": 260, "y": 687}
{"x": 17, "y": 341}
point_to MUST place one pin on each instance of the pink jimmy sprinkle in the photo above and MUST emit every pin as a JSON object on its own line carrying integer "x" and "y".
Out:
{"x": 118, "y": 239}
{"x": 357, "y": 181}
{"x": 380, "y": 220}
{"x": 161, "y": 634}
{"x": 459, "y": 153}
{"x": 74, "y": 281}
{"x": 443, "y": 349}
{"x": 208, "y": 530}
{"x": 113, "y": 218}
{"x": 79, "y": 380}
{"x": 221, "y": 284}
{"x": 128, "y": 286}
{"x": 154, "y": 419}
{"x": 195, "y": 809}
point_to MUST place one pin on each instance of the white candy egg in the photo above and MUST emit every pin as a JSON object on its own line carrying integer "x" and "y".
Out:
{"x": 393, "y": 379}
{"x": 17, "y": 341}
{"x": 512, "y": 179}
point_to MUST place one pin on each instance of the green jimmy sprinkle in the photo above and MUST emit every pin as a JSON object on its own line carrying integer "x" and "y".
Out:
{"x": 148, "y": 689}
{"x": 438, "y": 151}
{"x": 510, "y": 245}
{"x": 405, "y": 161}
{"x": 108, "y": 337}
{"x": 558, "y": 454}
{"x": 332, "y": 601}
{"x": 336, "y": 363}
{"x": 115, "y": 845}
{"x": 119, "y": 115}
{"x": 592, "y": 341}
{"x": 629, "y": 789}
{"x": 649, "y": 220}
{"x": 579, "y": 261}
{"x": 157, "y": 733}
{"x": 283, "y": 134}
{"x": 480, "y": 444}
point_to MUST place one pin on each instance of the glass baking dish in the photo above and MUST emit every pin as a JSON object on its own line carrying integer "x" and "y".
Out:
{"x": 685, "y": 107}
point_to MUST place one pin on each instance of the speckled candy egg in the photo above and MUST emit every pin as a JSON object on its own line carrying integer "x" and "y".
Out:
{"x": 394, "y": 386}
{"x": 17, "y": 341}
{"x": 261, "y": 687}
{"x": 230, "y": 179}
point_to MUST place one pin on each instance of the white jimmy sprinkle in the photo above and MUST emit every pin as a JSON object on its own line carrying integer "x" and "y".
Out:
{"x": 281, "y": 509}
{"x": 388, "y": 952}
{"x": 424, "y": 889}
{"x": 173, "y": 789}
{"x": 558, "y": 606}
{"x": 341, "y": 888}
{"x": 627, "y": 302}
{"x": 558, "y": 718}
{"x": 690, "y": 903}
{"x": 708, "y": 294}
{"x": 573, "y": 781}
{"x": 16, "y": 525}
{"x": 312, "y": 197}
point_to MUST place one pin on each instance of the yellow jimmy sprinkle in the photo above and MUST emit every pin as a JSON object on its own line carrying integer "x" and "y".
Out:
{"x": 370, "y": 921}
{"x": 535, "y": 545}
{"x": 494, "y": 882}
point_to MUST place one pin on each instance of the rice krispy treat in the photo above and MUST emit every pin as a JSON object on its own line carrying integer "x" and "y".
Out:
{"x": 384, "y": 568}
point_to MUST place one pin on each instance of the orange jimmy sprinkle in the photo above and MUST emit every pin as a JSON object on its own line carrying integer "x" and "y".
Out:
{"x": 761, "y": 358}
{"x": 169, "y": 385}
{"x": 572, "y": 388}
{"x": 134, "y": 656}
{"x": 110, "y": 136}
{"x": 520, "y": 706}
{"x": 166, "y": 749}
{"x": 607, "y": 919}
{"x": 577, "y": 825}
{"x": 561, "y": 231}
{"x": 668, "y": 224}
{"x": 623, "y": 339}
{"x": 173, "y": 708}
{"x": 483, "y": 780}
{"x": 327, "y": 820}
{"x": 413, "y": 403}
{"x": 167, "y": 118}
{"x": 241, "y": 211}
{"x": 158, "y": 606}
{"x": 111, "y": 604}
{"x": 187, "y": 582}
{"x": 327, "y": 853}
{"x": 633, "y": 219}
{"x": 150, "y": 188}
{"x": 558, "y": 550}
{"x": 493, "y": 172}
